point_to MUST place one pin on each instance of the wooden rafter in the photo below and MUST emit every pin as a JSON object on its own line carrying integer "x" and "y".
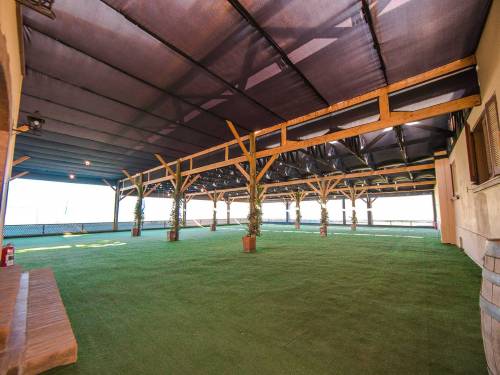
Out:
{"x": 19, "y": 175}
{"x": 20, "y": 160}
{"x": 165, "y": 165}
{"x": 188, "y": 182}
{"x": 266, "y": 167}
{"x": 126, "y": 195}
{"x": 242, "y": 171}
{"x": 152, "y": 189}
{"x": 238, "y": 139}
{"x": 338, "y": 178}
{"x": 387, "y": 119}
{"x": 109, "y": 184}
{"x": 346, "y": 190}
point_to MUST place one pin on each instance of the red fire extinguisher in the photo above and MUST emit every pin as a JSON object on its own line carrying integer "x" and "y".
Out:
{"x": 7, "y": 255}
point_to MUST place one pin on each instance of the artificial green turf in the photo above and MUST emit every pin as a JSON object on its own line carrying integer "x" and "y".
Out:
{"x": 400, "y": 303}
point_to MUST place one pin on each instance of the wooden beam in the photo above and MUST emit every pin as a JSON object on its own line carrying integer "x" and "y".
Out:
{"x": 311, "y": 185}
{"x": 266, "y": 167}
{"x": 186, "y": 184}
{"x": 107, "y": 183}
{"x": 363, "y": 189}
{"x": 394, "y": 119}
{"x": 126, "y": 195}
{"x": 242, "y": 171}
{"x": 210, "y": 195}
{"x": 152, "y": 190}
{"x": 238, "y": 139}
{"x": 383, "y": 104}
{"x": 20, "y": 160}
{"x": 165, "y": 164}
{"x": 360, "y": 193}
{"x": 21, "y": 174}
{"x": 338, "y": 178}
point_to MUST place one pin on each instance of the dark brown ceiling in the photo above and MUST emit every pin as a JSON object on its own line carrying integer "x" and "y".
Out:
{"x": 119, "y": 80}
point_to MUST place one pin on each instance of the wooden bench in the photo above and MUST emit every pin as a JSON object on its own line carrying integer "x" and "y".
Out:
{"x": 9, "y": 286}
{"x": 40, "y": 334}
{"x": 50, "y": 341}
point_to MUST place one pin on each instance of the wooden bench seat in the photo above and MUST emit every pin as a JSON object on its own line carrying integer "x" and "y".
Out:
{"x": 9, "y": 287}
{"x": 11, "y": 358}
{"x": 50, "y": 341}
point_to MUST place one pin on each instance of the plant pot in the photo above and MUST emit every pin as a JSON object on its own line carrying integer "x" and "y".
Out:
{"x": 353, "y": 226}
{"x": 297, "y": 226}
{"x": 249, "y": 243}
{"x": 323, "y": 231}
{"x": 136, "y": 232}
{"x": 213, "y": 227}
{"x": 173, "y": 235}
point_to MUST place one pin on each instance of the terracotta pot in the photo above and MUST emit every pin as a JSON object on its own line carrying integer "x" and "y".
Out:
{"x": 213, "y": 227}
{"x": 353, "y": 226}
{"x": 297, "y": 226}
{"x": 249, "y": 243}
{"x": 173, "y": 235}
{"x": 323, "y": 231}
{"x": 136, "y": 232}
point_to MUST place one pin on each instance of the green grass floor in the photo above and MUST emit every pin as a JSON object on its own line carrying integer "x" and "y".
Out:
{"x": 376, "y": 301}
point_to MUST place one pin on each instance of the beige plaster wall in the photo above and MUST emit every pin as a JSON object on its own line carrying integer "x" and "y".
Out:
{"x": 11, "y": 55}
{"x": 478, "y": 213}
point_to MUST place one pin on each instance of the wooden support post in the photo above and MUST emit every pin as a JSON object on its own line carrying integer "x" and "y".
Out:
{"x": 344, "y": 221}
{"x": 324, "y": 188}
{"x": 434, "y": 210}
{"x": 297, "y": 197}
{"x": 228, "y": 210}
{"x": 116, "y": 210}
{"x": 7, "y": 142}
{"x": 215, "y": 197}
{"x": 253, "y": 223}
{"x": 138, "y": 211}
{"x": 287, "y": 212}
{"x": 177, "y": 196}
{"x": 369, "y": 210}
{"x": 445, "y": 197}
{"x": 354, "y": 219}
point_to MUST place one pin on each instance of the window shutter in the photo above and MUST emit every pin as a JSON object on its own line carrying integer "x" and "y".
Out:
{"x": 471, "y": 154}
{"x": 492, "y": 133}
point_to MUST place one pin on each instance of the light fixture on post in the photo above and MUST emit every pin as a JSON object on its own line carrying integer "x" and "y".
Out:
{"x": 87, "y": 163}
{"x": 71, "y": 176}
{"x": 33, "y": 125}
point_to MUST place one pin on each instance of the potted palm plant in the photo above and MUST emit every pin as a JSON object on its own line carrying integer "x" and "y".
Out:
{"x": 173, "y": 234}
{"x": 298, "y": 216}
{"x": 138, "y": 211}
{"x": 254, "y": 222}
{"x": 323, "y": 230}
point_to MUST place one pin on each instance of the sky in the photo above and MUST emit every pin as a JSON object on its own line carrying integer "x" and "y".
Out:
{"x": 47, "y": 202}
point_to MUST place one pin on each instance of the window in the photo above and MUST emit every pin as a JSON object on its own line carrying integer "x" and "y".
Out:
{"x": 483, "y": 144}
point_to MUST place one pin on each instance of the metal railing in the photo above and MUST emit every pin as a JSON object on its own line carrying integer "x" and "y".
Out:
{"x": 395, "y": 223}
{"x": 33, "y": 230}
